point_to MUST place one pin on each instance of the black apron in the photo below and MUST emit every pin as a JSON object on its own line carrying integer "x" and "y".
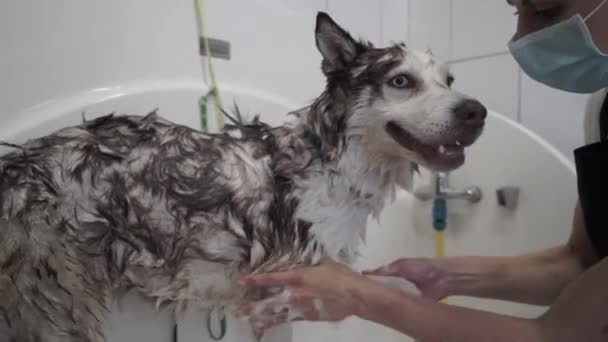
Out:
{"x": 592, "y": 174}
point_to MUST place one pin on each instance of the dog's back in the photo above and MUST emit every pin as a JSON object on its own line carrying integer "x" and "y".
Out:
{"x": 137, "y": 202}
{"x": 56, "y": 232}
{"x": 54, "y": 279}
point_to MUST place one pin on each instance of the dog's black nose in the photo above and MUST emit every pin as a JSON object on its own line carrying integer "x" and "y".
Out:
{"x": 471, "y": 112}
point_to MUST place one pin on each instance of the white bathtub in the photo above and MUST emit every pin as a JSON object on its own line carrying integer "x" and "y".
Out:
{"x": 506, "y": 154}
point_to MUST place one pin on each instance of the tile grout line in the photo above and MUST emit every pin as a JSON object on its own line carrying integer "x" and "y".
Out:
{"x": 381, "y": 15}
{"x": 519, "y": 95}
{"x": 450, "y": 29}
{"x": 408, "y": 24}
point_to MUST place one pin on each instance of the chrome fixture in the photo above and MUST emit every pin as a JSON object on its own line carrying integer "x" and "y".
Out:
{"x": 440, "y": 188}
{"x": 508, "y": 197}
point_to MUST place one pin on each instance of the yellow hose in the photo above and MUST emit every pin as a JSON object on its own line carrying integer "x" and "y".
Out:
{"x": 440, "y": 250}
{"x": 439, "y": 244}
{"x": 200, "y": 20}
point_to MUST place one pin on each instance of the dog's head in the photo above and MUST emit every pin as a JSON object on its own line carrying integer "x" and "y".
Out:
{"x": 398, "y": 101}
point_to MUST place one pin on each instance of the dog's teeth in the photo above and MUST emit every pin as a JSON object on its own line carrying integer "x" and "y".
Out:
{"x": 441, "y": 149}
{"x": 458, "y": 143}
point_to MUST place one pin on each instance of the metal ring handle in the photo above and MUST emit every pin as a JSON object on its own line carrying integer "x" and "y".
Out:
{"x": 221, "y": 317}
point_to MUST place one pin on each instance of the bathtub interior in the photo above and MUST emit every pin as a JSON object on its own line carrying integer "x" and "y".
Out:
{"x": 506, "y": 154}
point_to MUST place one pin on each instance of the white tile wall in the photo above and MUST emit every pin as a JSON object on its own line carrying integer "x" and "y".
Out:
{"x": 556, "y": 115}
{"x": 493, "y": 81}
{"x": 382, "y": 22}
{"x": 106, "y": 50}
{"x": 308, "y": 6}
{"x": 270, "y": 45}
{"x": 481, "y": 27}
{"x": 429, "y": 26}
{"x": 393, "y": 21}
{"x": 360, "y": 17}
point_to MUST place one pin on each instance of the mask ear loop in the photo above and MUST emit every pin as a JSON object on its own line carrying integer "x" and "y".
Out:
{"x": 595, "y": 10}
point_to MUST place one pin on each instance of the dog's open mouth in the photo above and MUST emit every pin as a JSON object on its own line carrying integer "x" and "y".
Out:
{"x": 442, "y": 157}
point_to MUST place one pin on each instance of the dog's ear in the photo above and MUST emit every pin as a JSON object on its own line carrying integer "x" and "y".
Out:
{"x": 338, "y": 48}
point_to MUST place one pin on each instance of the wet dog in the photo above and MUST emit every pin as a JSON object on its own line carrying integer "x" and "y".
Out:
{"x": 131, "y": 202}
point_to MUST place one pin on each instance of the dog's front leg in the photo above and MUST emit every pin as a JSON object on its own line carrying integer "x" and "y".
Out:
{"x": 272, "y": 312}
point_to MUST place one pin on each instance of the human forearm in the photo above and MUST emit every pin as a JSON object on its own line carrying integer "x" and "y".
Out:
{"x": 535, "y": 279}
{"x": 429, "y": 321}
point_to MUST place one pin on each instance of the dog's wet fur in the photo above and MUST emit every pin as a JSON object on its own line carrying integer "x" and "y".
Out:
{"x": 138, "y": 202}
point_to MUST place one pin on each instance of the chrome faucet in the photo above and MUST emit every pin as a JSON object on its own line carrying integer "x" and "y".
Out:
{"x": 440, "y": 188}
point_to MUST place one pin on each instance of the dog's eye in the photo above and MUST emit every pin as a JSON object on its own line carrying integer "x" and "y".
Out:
{"x": 400, "y": 81}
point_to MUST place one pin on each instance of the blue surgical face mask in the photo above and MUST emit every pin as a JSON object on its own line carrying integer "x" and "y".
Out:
{"x": 564, "y": 56}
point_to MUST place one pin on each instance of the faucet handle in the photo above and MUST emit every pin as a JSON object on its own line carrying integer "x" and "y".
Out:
{"x": 473, "y": 194}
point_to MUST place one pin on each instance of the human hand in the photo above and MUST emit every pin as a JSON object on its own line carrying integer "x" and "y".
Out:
{"x": 427, "y": 274}
{"x": 328, "y": 292}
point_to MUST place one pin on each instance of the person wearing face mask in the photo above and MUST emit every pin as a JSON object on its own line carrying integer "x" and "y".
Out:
{"x": 563, "y": 44}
